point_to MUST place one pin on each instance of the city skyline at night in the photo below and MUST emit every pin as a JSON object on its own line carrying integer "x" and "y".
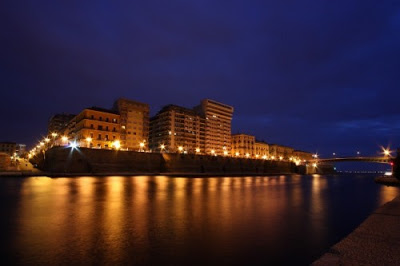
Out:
{"x": 325, "y": 72}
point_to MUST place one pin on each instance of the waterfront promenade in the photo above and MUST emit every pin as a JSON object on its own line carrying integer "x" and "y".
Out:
{"x": 375, "y": 242}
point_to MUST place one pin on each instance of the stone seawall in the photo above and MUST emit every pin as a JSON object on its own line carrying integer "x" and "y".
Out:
{"x": 93, "y": 161}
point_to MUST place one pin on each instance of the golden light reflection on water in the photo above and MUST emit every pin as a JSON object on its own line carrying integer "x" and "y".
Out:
{"x": 141, "y": 220}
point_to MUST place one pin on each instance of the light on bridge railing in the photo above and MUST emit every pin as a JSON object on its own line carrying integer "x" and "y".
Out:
{"x": 386, "y": 151}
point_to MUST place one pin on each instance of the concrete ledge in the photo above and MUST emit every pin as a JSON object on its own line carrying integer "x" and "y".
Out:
{"x": 388, "y": 181}
{"x": 194, "y": 175}
{"x": 375, "y": 242}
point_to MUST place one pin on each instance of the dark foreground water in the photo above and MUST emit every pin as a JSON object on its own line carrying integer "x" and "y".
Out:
{"x": 181, "y": 221}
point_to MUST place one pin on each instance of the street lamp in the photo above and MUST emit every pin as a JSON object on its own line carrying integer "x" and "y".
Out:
{"x": 64, "y": 139}
{"x": 117, "y": 144}
{"x": 54, "y": 134}
{"x": 162, "y": 147}
{"x": 180, "y": 148}
{"x": 197, "y": 150}
{"x": 212, "y": 152}
{"x": 141, "y": 145}
{"x": 88, "y": 140}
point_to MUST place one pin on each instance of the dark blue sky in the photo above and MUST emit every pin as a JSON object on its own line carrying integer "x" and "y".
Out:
{"x": 317, "y": 75}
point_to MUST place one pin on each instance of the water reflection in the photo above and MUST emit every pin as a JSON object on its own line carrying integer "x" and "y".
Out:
{"x": 162, "y": 220}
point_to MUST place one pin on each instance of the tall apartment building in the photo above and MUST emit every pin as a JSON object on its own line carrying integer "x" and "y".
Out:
{"x": 243, "y": 145}
{"x": 96, "y": 128}
{"x": 175, "y": 126}
{"x": 134, "y": 123}
{"x": 58, "y": 122}
{"x": 218, "y": 126}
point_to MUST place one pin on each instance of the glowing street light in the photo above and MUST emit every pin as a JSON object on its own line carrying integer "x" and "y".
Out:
{"x": 237, "y": 154}
{"x": 117, "y": 144}
{"x": 212, "y": 152}
{"x": 314, "y": 165}
{"x": 73, "y": 145}
{"x": 54, "y": 134}
{"x": 197, "y": 150}
{"x": 247, "y": 155}
{"x": 64, "y": 138}
{"x": 162, "y": 147}
{"x": 264, "y": 157}
{"x": 141, "y": 145}
{"x": 225, "y": 153}
{"x": 280, "y": 158}
{"x": 257, "y": 156}
{"x": 272, "y": 157}
{"x": 180, "y": 148}
{"x": 41, "y": 143}
{"x": 47, "y": 139}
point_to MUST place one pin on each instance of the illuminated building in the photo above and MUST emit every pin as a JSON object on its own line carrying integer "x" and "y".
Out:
{"x": 20, "y": 150}
{"x": 243, "y": 145}
{"x": 261, "y": 149}
{"x": 273, "y": 151}
{"x": 134, "y": 123}
{"x": 218, "y": 126}
{"x": 281, "y": 152}
{"x": 8, "y": 148}
{"x": 58, "y": 122}
{"x": 177, "y": 129}
{"x": 302, "y": 155}
{"x": 95, "y": 128}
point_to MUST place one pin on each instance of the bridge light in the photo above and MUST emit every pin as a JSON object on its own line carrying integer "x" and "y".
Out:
{"x": 386, "y": 152}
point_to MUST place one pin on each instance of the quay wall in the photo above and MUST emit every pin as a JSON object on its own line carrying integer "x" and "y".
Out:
{"x": 94, "y": 161}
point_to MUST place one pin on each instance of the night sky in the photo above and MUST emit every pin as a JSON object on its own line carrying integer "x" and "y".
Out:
{"x": 316, "y": 75}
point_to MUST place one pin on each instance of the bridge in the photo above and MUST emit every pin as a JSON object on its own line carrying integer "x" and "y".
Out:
{"x": 372, "y": 159}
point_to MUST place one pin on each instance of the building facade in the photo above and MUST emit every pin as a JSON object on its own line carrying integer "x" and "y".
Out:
{"x": 97, "y": 128}
{"x": 134, "y": 123}
{"x": 261, "y": 149}
{"x": 218, "y": 126}
{"x": 58, "y": 122}
{"x": 302, "y": 155}
{"x": 243, "y": 145}
{"x": 177, "y": 129}
{"x": 9, "y": 148}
